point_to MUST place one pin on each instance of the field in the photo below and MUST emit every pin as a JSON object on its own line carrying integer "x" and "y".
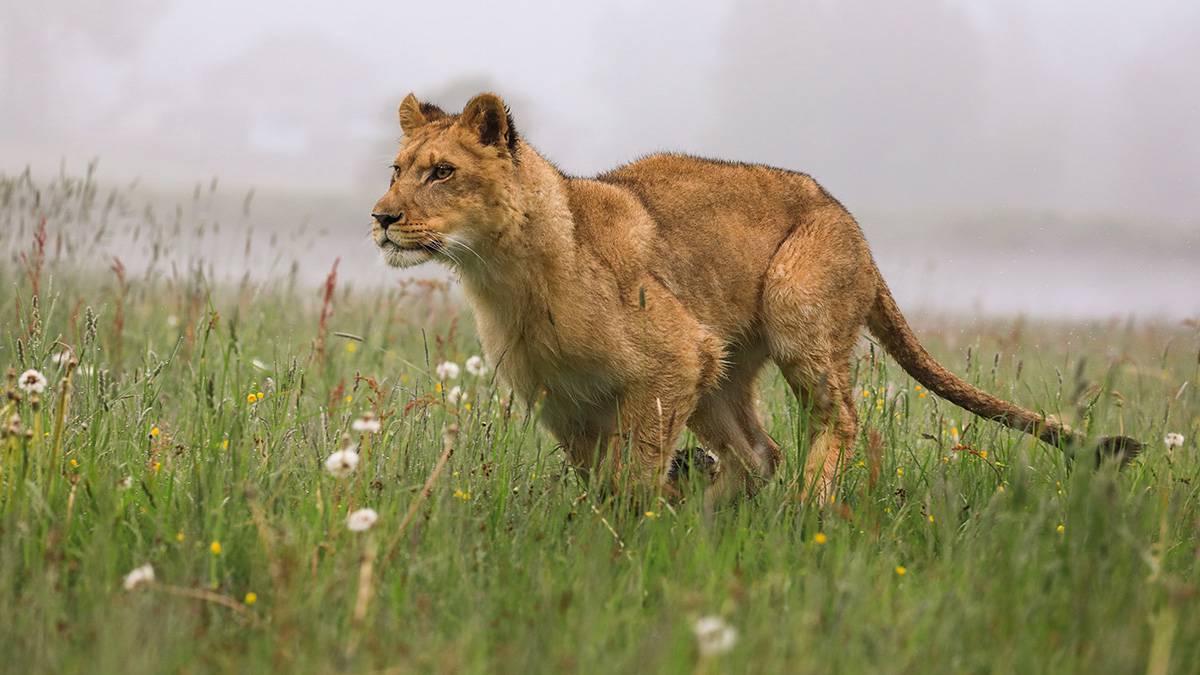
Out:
{"x": 193, "y": 435}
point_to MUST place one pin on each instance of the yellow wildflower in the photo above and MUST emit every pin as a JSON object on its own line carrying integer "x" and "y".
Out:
{"x": 179, "y": 536}
{"x": 215, "y": 547}
{"x": 252, "y": 597}
{"x": 157, "y": 466}
{"x": 463, "y": 495}
{"x": 983, "y": 454}
{"x": 931, "y": 517}
{"x": 225, "y": 444}
{"x": 1061, "y": 528}
{"x": 899, "y": 471}
{"x": 351, "y": 347}
{"x": 651, "y": 515}
{"x": 74, "y": 464}
{"x": 349, "y": 398}
{"x": 901, "y": 570}
{"x": 437, "y": 386}
{"x": 820, "y": 538}
{"x": 251, "y": 398}
{"x": 260, "y": 396}
{"x": 921, "y": 395}
{"x": 154, "y": 432}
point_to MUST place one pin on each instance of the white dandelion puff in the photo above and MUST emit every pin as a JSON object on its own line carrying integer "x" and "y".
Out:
{"x": 447, "y": 370}
{"x": 361, "y": 520}
{"x": 713, "y": 635}
{"x": 32, "y": 382}
{"x": 368, "y": 423}
{"x": 125, "y": 483}
{"x": 1173, "y": 440}
{"x": 456, "y": 395}
{"x": 476, "y": 366}
{"x": 61, "y": 358}
{"x": 139, "y": 576}
{"x": 343, "y": 462}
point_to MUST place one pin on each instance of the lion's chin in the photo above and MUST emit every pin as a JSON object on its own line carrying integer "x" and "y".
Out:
{"x": 405, "y": 257}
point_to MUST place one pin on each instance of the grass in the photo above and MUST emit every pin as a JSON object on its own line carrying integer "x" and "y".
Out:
{"x": 953, "y": 545}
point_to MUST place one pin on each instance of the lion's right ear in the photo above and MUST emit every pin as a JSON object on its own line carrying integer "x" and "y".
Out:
{"x": 411, "y": 115}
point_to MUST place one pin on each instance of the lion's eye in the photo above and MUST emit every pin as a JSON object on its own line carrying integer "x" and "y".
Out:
{"x": 442, "y": 172}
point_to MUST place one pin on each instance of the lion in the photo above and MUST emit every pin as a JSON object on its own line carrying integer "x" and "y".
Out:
{"x": 649, "y": 298}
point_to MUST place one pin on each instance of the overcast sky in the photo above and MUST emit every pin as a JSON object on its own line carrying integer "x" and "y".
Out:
{"x": 1075, "y": 106}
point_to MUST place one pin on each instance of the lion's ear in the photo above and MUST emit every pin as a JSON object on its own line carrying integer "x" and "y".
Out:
{"x": 489, "y": 117}
{"x": 411, "y": 116}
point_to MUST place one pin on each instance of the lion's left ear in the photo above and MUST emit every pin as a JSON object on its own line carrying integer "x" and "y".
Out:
{"x": 489, "y": 117}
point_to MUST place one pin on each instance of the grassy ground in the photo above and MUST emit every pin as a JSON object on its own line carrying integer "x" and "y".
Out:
{"x": 199, "y": 420}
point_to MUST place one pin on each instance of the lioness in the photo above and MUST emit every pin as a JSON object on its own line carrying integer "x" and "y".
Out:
{"x": 650, "y": 297}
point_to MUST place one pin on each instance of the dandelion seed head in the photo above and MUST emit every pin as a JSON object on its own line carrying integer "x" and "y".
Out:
{"x": 361, "y": 520}
{"x": 368, "y": 423}
{"x": 343, "y": 462}
{"x": 456, "y": 395}
{"x": 476, "y": 366}
{"x": 139, "y": 576}
{"x": 713, "y": 635}
{"x": 32, "y": 382}
{"x": 1173, "y": 440}
{"x": 448, "y": 370}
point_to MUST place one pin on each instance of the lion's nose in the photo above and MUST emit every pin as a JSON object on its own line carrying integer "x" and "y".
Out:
{"x": 387, "y": 219}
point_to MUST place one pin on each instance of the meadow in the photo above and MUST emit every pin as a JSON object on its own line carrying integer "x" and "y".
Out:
{"x": 168, "y": 503}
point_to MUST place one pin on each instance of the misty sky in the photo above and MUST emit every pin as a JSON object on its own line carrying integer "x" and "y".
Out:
{"x": 1075, "y": 107}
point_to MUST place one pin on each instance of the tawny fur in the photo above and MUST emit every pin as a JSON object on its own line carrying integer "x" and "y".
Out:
{"x": 650, "y": 297}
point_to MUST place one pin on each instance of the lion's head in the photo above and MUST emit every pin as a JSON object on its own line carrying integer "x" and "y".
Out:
{"x": 452, "y": 182}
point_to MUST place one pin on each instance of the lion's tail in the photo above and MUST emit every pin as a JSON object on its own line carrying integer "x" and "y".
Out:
{"x": 890, "y": 327}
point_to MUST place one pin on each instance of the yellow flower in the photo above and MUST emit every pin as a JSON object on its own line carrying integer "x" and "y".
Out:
{"x": 866, "y": 393}
{"x": 252, "y": 597}
{"x": 917, "y": 388}
{"x": 260, "y": 396}
{"x": 860, "y": 464}
{"x": 225, "y": 444}
{"x": 251, "y": 398}
{"x": 465, "y": 496}
{"x": 157, "y": 466}
{"x": 179, "y": 536}
{"x": 467, "y": 406}
{"x": 899, "y": 471}
{"x": 437, "y": 386}
{"x": 349, "y": 398}
{"x": 901, "y": 570}
{"x": 74, "y": 464}
{"x": 215, "y": 547}
{"x": 921, "y": 395}
{"x": 351, "y": 347}
{"x": 820, "y": 538}
{"x": 931, "y": 517}
{"x": 154, "y": 432}
{"x": 1061, "y": 528}
{"x": 651, "y": 515}
{"x": 983, "y": 454}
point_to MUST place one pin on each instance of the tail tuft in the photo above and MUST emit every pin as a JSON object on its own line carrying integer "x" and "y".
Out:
{"x": 1121, "y": 448}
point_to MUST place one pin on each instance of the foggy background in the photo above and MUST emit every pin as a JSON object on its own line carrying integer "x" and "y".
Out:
{"x": 1005, "y": 157}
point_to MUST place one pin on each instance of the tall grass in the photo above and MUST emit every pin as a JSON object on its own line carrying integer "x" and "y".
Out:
{"x": 953, "y": 544}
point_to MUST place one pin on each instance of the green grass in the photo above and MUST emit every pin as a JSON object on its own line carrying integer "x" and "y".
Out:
{"x": 532, "y": 573}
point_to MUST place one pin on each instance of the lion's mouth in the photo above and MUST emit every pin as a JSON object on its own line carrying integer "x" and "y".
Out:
{"x": 428, "y": 246}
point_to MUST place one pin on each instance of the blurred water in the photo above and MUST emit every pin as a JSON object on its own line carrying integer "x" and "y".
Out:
{"x": 964, "y": 264}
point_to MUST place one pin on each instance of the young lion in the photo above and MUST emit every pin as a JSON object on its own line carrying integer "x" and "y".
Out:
{"x": 650, "y": 297}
